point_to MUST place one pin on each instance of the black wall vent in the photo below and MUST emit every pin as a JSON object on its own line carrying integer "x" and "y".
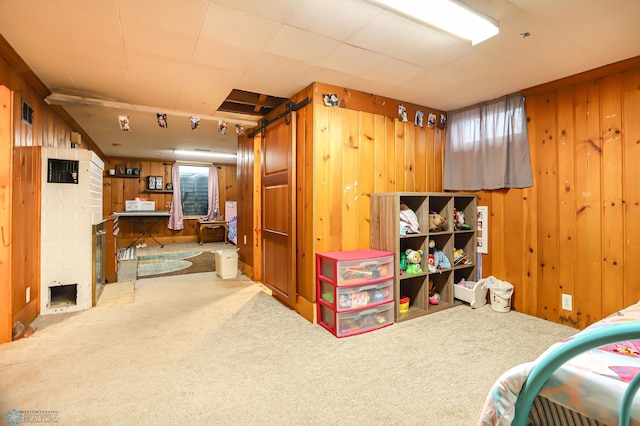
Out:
{"x": 27, "y": 113}
{"x": 63, "y": 171}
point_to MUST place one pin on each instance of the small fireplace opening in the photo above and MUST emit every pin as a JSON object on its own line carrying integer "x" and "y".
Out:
{"x": 63, "y": 295}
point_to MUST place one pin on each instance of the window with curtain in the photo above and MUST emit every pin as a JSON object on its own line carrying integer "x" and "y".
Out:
{"x": 487, "y": 146}
{"x": 194, "y": 190}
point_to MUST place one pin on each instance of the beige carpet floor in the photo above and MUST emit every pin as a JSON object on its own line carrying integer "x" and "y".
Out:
{"x": 198, "y": 350}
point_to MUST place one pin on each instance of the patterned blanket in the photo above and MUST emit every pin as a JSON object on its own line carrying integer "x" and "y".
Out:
{"x": 591, "y": 383}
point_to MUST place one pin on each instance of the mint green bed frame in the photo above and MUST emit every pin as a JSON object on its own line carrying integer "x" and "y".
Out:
{"x": 563, "y": 353}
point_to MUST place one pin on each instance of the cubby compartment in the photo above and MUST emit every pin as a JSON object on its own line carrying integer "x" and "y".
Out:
{"x": 464, "y": 245}
{"x": 442, "y": 205}
{"x": 415, "y": 288}
{"x": 467, "y": 289}
{"x": 386, "y": 235}
{"x": 443, "y": 286}
{"x": 468, "y": 208}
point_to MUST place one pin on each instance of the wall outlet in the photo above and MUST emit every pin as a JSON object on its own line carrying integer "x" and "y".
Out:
{"x": 28, "y": 295}
{"x": 245, "y": 240}
{"x": 567, "y": 302}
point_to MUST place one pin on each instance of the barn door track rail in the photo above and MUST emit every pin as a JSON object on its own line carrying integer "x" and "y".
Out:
{"x": 289, "y": 108}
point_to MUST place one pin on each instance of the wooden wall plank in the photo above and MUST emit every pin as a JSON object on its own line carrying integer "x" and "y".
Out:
{"x": 350, "y": 175}
{"x": 631, "y": 184}
{"x": 420, "y": 159}
{"x": 400, "y": 155}
{"x": 379, "y": 146}
{"x": 566, "y": 203}
{"x": 547, "y": 207}
{"x": 390, "y": 146}
{"x": 366, "y": 177}
{"x": 409, "y": 157}
{"x": 322, "y": 170}
{"x": 589, "y": 202}
{"x": 612, "y": 208}
{"x": 6, "y": 233}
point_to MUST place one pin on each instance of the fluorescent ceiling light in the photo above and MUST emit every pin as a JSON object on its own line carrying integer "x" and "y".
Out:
{"x": 200, "y": 153}
{"x": 447, "y": 15}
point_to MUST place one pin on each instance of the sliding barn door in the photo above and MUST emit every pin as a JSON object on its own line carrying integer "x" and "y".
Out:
{"x": 278, "y": 209}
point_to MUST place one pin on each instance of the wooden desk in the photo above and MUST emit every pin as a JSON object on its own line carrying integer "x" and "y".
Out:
{"x": 210, "y": 224}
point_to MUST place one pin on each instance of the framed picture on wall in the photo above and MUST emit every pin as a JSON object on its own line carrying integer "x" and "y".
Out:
{"x": 121, "y": 169}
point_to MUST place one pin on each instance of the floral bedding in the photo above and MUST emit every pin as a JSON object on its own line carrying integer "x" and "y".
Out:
{"x": 591, "y": 383}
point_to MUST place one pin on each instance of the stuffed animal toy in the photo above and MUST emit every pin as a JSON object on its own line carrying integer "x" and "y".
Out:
{"x": 436, "y": 221}
{"x": 403, "y": 262}
{"x": 458, "y": 218}
{"x": 441, "y": 261}
{"x": 434, "y": 296}
{"x": 414, "y": 257}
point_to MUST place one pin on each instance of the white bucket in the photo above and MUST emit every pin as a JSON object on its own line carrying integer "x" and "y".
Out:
{"x": 499, "y": 304}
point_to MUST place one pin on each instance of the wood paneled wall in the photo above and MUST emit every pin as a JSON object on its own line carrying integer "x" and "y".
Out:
{"x": 575, "y": 232}
{"x": 23, "y": 184}
{"x": 116, "y": 190}
{"x": 343, "y": 154}
{"x": 358, "y": 148}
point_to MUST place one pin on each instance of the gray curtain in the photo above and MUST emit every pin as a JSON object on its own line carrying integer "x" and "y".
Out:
{"x": 487, "y": 146}
{"x": 176, "y": 218}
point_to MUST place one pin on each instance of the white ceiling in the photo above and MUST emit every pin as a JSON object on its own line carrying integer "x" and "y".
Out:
{"x": 186, "y": 56}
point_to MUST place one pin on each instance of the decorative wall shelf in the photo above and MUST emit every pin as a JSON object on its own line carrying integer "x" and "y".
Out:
{"x": 123, "y": 176}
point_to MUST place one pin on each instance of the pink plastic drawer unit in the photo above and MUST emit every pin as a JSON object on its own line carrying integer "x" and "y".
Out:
{"x": 356, "y": 297}
{"x": 355, "y": 266}
{"x": 356, "y": 322}
{"x": 355, "y": 290}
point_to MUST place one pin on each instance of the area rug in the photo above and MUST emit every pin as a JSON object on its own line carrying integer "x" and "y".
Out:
{"x": 161, "y": 265}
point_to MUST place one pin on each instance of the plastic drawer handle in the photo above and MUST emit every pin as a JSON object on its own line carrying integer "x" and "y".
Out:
{"x": 369, "y": 287}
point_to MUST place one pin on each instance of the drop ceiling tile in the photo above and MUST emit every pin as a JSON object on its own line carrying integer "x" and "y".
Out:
{"x": 398, "y": 34}
{"x": 77, "y": 25}
{"x": 367, "y": 85}
{"x": 618, "y": 41}
{"x": 204, "y": 89}
{"x": 154, "y": 41}
{"x": 222, "y": 56}
{"x": 172, "y": 17}
{"x": 237, "y": 28}
{"x": 277, "y": 10}
{"x": 326, "y": 75}
{"x": 351, "y": 59}
{"x": 393, "y": 72}
{"x": 337, "y": 19}
{"x": 300, "y": 45}
{"x": 274, "y": 72}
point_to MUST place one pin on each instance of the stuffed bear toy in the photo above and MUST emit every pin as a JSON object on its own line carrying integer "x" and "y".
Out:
{"x": 436, "y": 222}
{"x": 414, "y": 257}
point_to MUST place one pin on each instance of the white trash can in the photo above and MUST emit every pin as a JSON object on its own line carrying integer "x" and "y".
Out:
{"x": 500, "y": 293}
{"x": 499, "y": 304}
{"x": 226, "y": 263}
